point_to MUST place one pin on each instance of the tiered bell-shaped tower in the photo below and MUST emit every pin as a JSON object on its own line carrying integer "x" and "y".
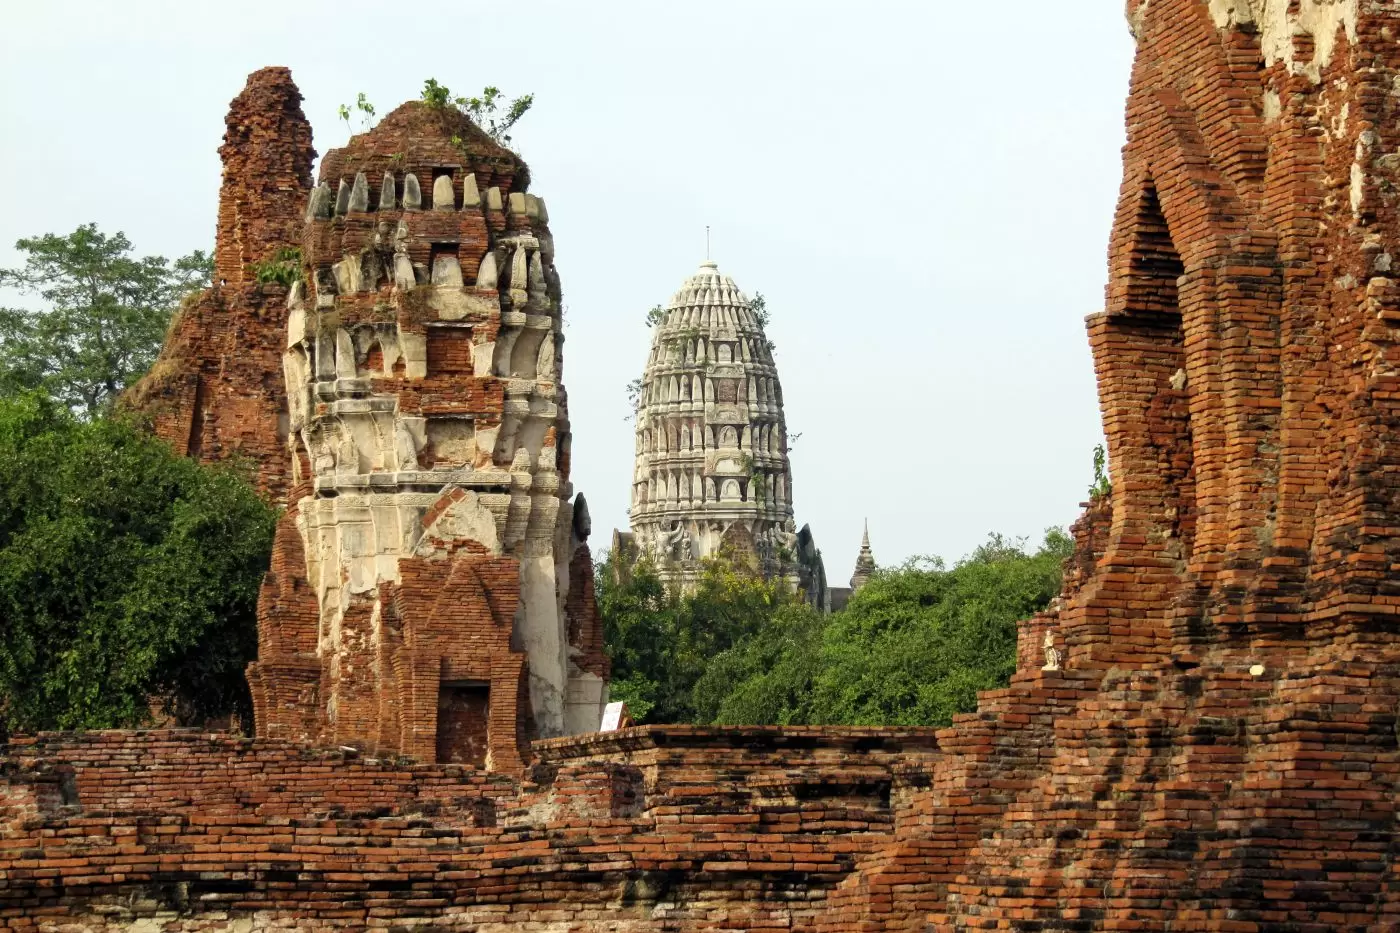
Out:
{"x": 712, "y": 465}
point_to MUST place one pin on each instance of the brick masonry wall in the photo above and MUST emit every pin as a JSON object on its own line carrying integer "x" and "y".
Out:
{"x": 1219, "y": 752}
{"x": 654, "y": 828}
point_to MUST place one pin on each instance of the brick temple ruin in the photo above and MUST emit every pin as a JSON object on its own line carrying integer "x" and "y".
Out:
{"x": 1200, "y": 735}
{"x": 431, "y": 587}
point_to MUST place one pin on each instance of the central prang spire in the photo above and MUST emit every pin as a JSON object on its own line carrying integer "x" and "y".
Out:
{"x": 712, "y": 469}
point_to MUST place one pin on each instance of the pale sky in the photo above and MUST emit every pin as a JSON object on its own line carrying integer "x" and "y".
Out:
{"x": 922, "y": 190}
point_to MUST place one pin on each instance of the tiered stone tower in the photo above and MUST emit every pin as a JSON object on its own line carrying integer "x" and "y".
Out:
{"x": 712, "y": 461}
{"x": 431, "y": 591}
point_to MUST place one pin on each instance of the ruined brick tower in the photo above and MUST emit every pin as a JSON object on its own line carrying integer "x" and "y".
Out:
{"x": 215, "y": 392}
{"x": 1203, "y": 735}
{"x": 431, "y": 588}
{"x": 712, "y": 465}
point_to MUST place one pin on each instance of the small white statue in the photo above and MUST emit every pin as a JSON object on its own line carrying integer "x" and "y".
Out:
{"x": 1052, "y": 654}
{"x": 405, "y": 446}
{"x": 347, "y": 455}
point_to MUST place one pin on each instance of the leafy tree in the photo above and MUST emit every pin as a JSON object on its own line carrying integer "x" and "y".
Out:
{"x": 125, "y": 572}
{"x": 661, "y": 641}
{"x": 913, "y": 647}
{"x": 767, "y": 677}
{"x": 103, "y": 318}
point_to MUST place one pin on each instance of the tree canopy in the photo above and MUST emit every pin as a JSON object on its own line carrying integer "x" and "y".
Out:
{"x": 125, "y": 572}
{"x": 661, "y": 640}
{"x": 913, "y": 647}
{"x": 102, "y": 318}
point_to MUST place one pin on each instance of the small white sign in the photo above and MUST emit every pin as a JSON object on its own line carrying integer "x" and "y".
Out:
{"x": 615, "y": 716}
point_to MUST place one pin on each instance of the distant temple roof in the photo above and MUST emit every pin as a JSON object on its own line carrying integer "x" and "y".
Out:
{"x": 865, "y": 561}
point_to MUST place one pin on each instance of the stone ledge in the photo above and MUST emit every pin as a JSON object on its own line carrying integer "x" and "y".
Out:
{"x": 834, "y": 738}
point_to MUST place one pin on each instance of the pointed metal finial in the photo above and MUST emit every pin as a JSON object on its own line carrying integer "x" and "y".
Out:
{"x": 707, "y": 242}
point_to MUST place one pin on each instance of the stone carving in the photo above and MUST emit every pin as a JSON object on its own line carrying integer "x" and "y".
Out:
{"x": 359, "y": 194}
{"x": 405, "y": 446}
{"x": 347, "y": 454}
{"x": 443, "y": 198}
{"x": 670, "y": 541}
{"x": 486, "y": 276}
{"x": 320, "y": 203}
{"x": 785, "y": 537}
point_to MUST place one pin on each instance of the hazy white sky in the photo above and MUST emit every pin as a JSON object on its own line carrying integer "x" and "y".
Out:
{"x": 922, "y": 190}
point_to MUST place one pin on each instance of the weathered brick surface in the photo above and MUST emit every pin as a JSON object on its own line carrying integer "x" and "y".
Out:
{"x": 1219, "y": 752}
{"x": 215, "y": 393}
{"x": 430, "y": 593}
{"x": 684, "y": 829}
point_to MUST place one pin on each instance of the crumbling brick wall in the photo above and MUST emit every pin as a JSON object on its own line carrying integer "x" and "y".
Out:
{"x": 215, "y": 393}
{"x": 1219, "y": 750}
{"x": 679, "y": 828}
{"x": 431, "y": 589}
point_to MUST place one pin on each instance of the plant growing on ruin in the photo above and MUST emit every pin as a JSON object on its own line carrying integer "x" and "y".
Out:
{"x": 283, "y": 268}
{"x": 101, "y": 316}
{"x": 634, "y": 397}
{"x": 492, "y": 110}
{"x": 655, "y": 316}
{"x": 758, "y": 482}
{"x": 1102, "y": 486}
{"x": 365, "y": 110}
{"x": 759, "y": 306}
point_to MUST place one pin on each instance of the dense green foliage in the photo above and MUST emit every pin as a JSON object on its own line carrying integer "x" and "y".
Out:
{"x": 125, "y": 572}
{"x": 104, "y": 314}
{"x": 661, "y": 641}
{"x": 913, "y": 647}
